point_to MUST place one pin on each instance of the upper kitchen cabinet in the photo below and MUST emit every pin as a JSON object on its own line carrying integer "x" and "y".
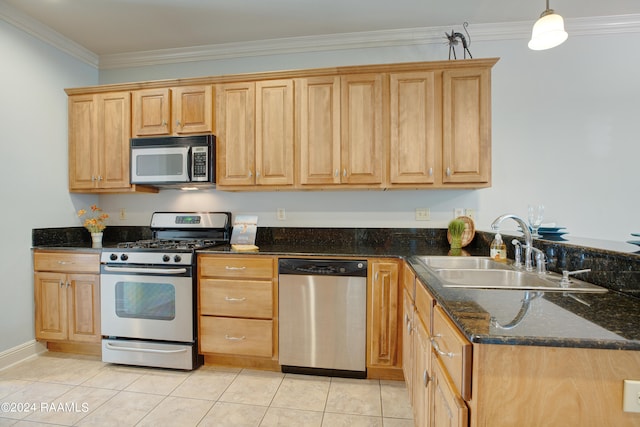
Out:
{"x": 339, "y": 130}
{"x": 318, "y": 130}
{"x": 99, "y": 132}
{"x": 414, "y": 155}
{"x": 173, "y": 111}
{"x": 466, "y": 126}
{"x": 255, "y": 134}
{"x": 362, "y": 129}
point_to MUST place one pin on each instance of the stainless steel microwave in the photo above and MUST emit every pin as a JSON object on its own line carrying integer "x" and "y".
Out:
{"x": 173, "y": 161}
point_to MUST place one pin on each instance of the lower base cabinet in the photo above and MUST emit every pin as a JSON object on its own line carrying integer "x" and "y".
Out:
{"x": 237, "y": 317}
{"x": 459, "y": 384}
{"x": 67, "y": 300}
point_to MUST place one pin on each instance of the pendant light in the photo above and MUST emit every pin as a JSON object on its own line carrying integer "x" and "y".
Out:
{"x": 548, "y": 31}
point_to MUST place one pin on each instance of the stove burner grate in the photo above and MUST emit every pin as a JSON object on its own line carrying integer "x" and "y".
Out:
{"x": 169, "y": 244}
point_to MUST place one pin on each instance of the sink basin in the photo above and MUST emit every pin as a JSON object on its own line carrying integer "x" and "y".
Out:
{"x": 473, "y": 263}
{"x": 510, "y": 279}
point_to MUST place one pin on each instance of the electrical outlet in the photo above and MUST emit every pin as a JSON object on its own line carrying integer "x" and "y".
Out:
{"x": 423, "y": 214}
{"x": 631, "y": 396}
{"x": 281, "y": 214}
{"x": 458, "y": 212}
{"x": 469, "y": 212}
{"x": 123, "y": 214}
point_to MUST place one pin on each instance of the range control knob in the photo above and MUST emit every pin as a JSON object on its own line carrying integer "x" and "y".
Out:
{"x": 165, "y": 258}
{"x": 113, "y": 257}
{"x": 177, "y": 258}
{"x": 124, "y": 257}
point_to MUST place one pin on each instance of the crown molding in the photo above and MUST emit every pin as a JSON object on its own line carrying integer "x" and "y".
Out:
{"x": 619, "y": 24}
{"x": 43, "y": 33}
{"x": 401, "y": 37}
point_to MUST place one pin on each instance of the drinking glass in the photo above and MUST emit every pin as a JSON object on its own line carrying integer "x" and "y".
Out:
{"x": 536, "y": 214}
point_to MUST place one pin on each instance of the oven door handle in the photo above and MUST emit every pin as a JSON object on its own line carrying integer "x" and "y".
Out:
{"x": 110, "y": 346}
{"x": 143, "y": 270}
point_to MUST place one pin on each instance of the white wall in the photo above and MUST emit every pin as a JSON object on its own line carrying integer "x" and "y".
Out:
{"x": 564, "y": 133}
{"x": 33, "y": 165}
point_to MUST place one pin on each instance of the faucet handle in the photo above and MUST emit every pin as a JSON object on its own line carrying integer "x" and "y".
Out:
{"x": 566, "y": 273}
{"x": 518, "y": 252}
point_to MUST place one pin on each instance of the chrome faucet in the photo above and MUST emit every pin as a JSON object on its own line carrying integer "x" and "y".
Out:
{"x": 528, "y": 241}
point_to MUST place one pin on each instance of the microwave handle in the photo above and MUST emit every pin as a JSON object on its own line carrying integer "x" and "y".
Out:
{"x": 190, "y": 164}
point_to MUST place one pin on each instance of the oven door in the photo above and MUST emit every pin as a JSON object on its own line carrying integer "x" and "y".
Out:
{"x": 151, "y": 165}
{"x": 147, "y": 303}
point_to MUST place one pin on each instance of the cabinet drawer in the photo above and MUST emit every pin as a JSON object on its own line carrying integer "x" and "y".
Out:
{"x": 453, "y": 350}
{"x": 236, "y": 298}
{"x": 67, "y": 262}
{"x": 246, "y": 337}
{"x": 424, "y": 305}
{"x": 240, "y": 267}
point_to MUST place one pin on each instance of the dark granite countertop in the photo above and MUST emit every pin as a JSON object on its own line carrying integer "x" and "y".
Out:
{"x": 611, "y": 320}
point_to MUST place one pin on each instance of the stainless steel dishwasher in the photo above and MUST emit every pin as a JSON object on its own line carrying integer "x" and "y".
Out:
{"x": 322, "y": 309}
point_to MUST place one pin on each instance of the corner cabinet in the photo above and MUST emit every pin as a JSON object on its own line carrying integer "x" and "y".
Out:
{"x": 179, "y": 110}
{"x": 67, "y": 300}
{"x": 99, "y": 132}
{"x": 254, "y": 129}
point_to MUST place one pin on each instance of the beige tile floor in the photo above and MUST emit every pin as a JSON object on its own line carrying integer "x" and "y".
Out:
{"x": 59, "y": 389}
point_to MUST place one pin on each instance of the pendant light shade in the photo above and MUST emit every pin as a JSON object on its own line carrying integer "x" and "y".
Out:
{"x": 548, "y": 31}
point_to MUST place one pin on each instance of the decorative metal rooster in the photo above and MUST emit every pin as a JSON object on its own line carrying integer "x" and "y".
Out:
{"x": 452, "y": 40}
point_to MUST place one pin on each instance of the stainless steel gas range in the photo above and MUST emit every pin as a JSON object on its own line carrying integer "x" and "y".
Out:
{"x": 148, "y": 293}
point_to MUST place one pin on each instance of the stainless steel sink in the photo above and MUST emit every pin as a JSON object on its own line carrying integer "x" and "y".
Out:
{"x": 510, "y": 279}
{"x": 453, "y": 262}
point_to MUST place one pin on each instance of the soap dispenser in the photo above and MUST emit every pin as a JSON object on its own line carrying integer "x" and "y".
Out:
{"x": 498, "y": 250}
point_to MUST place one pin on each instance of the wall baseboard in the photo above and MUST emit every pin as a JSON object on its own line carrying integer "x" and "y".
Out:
{"x": 20, "y": 353}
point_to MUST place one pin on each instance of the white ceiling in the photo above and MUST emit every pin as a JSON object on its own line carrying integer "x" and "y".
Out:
{"x": 109, "y": 27}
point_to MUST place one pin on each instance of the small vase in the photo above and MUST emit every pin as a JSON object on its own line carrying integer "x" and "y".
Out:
{"x": 96, "y": 240}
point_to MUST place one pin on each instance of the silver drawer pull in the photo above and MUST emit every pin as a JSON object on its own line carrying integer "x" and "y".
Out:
{"x": 229, "y": 267}
{"x": 436, "y": 347}
{"x": 230, "y": 338}
{"x": 232, "y": 299}
{"x": 65, "y": 262}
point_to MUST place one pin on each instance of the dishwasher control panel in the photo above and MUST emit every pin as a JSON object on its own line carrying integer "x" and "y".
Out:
{"x": 322, "y": 267}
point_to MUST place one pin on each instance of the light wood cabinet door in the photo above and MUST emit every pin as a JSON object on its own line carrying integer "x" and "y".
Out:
{"x": 274, "y": 133}
{"x": 99, "y": 132}
{"x": 414, "y": 130}
{"x": 67, "y": 307}
{"x": 83, "y": 301}
{"x": 114, "y": 132}
{"x": 152, "y": 112}
{"x": 192, "y": 109}
{"x": 466, "y": 133}
{"x": 449, "y": 410}
{"x": 383, "y": 314}
{"x": 235, "y": 139}
{"x": 407, "y": 341}
{"x": 50, "y": 306}
{"x": 173, "y": 110}
{"x": 422, "y": 373}
{"x": 318, "y": 130}
{"x": 83, "y": 142}
{"x": 362, "y": 129}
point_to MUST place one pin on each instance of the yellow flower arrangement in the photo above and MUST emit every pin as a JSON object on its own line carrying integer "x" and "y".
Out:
{"x": 94, "y": 224}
